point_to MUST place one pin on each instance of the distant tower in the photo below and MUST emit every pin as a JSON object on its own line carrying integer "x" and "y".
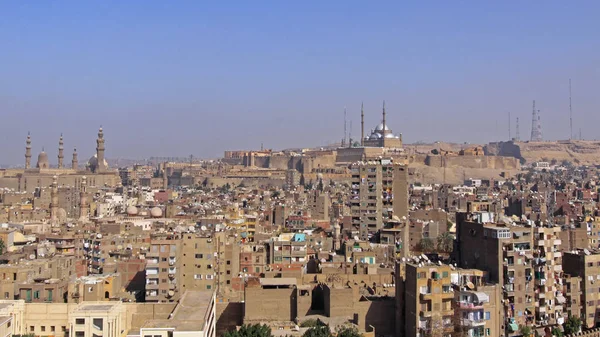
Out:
{"x": 101, "y": 167}
{"x": 84, "y": 210}
{"x": 518, "y": 136}
{"x": 536, "y": 126}
{"x": 383, "y": 131}
{"x": 74, "y": 162}
{"x": 337, "y": 230}
{"x": 28, "y": 152}
{"x": 570, "y": 114}
{"x": 54, "y": 202}
{"x": 61, "y": 155}
{"x": 345, "y": 130}
{"x": 362, "y": 124}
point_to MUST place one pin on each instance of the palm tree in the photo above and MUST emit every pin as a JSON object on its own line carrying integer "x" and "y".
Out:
{"x": 445, "y": 242}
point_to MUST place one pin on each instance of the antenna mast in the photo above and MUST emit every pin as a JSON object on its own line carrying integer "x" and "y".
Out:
{"x": 509, "y": 121}
{"x": 345, "y": 132}
{"x": 350, "y": 135}
{"x": 517, "y": 137}
{"x": 536, "y": 127}
{"x": 570, "y": 113}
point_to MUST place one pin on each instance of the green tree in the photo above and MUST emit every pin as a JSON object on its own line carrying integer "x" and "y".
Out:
{"x": 311, "y": 323}
{"x": 2, "y": 246}
{"x": 247, "y": 330}
{"x": 525, "y": 330}
{"x": 557, "y": 332}
{"x": 348, "y": 331}
{"x": 318, "y": 331}
{"x": 572, "y": 325}
{"x": 445, "y": 243}
{"x": 426, "y": 245}
{"x": 320, "y": 185}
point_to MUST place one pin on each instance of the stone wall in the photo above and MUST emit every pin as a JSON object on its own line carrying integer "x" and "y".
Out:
{"x": 270, "y": 304}
{"x": 481, "y": 162}
{"x": 229, "y": 315}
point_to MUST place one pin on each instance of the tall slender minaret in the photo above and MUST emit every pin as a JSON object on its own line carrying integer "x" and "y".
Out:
{"x": 83, "y": 202}
{"x": 383, "y": 134}
{"x": 165, "y": 178}
{"x": 54, "y": 202}
{"x": 61, "y": 155}
{"x": 74, "y": 161}
{"x": 362, "y": 124}
{"x": 28, "y": 152}
{"x": 100, "y": 167}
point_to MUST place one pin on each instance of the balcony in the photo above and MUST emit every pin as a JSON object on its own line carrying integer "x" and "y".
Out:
{"x": 473, "y": 322}
{"x": 557, "y": 242}
{"x": 426, "y": 296}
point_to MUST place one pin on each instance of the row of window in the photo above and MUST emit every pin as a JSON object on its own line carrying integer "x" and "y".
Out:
{"x": 43, "y": 328}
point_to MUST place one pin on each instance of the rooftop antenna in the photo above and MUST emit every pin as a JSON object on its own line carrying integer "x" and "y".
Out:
{"x": 580, "y": 137}
{"x": 570, "y": 113}
{"x": 509, "y": 122}
{"x": 517, "y": 136}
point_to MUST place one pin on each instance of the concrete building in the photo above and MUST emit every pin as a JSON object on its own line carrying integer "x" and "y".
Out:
{"x": 586, "y": 265}
{"x": 374, "y": 185}
{"x": 97, "y": 319}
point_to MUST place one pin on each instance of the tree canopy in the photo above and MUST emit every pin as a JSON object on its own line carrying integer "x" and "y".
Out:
{"x": 247, "y": 330}
{"x": 572, "y": 325}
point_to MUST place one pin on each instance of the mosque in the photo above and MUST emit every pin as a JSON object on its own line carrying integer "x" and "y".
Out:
{"x": 381, "y": 136}
{"x": 41, "y": 176}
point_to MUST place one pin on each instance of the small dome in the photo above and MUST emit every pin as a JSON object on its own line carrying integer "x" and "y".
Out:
{"x": 132, "y": 210}
{"x": 380, "y": 127}
{"x": 375, "y": 136}
{"x": 43, "y": 160}
{"x": 390, "y": 135}
{"x": 156, "y": 212}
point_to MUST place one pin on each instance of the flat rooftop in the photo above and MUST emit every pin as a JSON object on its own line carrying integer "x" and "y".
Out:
{"x": 95, "y": 307}
{"x": 188, "y": 314}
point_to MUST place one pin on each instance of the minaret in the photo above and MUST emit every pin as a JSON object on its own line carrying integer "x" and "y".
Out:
{"x": 74, "y": 162}
{"x": 54, "y": 202}
{"x": 83, "y": 202}
{"x": 61, "y": 155}
{"x": 383, "y": 132}
{"x": 362, "y": 124}
{"x": 100, "y": 167}
{"x": 28, "y": 152}
{"x": 165, "y": 177}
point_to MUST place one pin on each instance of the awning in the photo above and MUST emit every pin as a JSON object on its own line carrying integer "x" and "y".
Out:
{"x": 513, "y": 327}
{"x": 561, "y": 299}
{"x": 482, "y": 297}
{"x": 529, "y": 256}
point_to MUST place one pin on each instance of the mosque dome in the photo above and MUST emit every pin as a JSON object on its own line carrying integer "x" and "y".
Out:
{"x": 380, "y": 127}
{"x": 390, "y": 135}
{"x": 93, "y": 163}
{"x": 132, "y": 210}
{"x": 375, "y": 136}
{"x": 156, "y": 212}
{"x": 43, "y": 160}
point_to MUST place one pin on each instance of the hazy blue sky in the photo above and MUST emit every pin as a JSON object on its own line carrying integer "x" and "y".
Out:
{"x": 181, "y": 77}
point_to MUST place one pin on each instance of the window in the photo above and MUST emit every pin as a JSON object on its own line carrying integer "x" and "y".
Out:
{"x": 199, "y": 256}
{"x": 52, "y": 328}
{"x": 209, "y": 276}
{"x": 229, "y": 282}
{"x": 228, "y": 262}
{"x": 43, "y": 327}
{"x": 98, "y": 323}
{"x": 445, "y": 274}
{"x": 164, "y": 259}
{"x": 228, "y": 272}
{"x": 163, "y": 270}
{"x": 79, "y": 321}
{"x": 63, "y": 328}
{"x": 79, "y": 334}
{"x": 208, "y": 287}
{"x": 197, "y": 276}
{"x": 32, "y": 328}
{"x": 36, "y": 294}
{"x": 488, "y": 331}
{"x": 487, "y": 316}
{"x": 6, "y": 295}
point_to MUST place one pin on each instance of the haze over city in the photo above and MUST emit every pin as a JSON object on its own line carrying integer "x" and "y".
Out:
{"x": 173, "y": 79}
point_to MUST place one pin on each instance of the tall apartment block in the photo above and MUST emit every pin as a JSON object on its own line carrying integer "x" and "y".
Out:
{"x": 372, "y": 194}
{"x": 585, "y": 264}
{"x": 527, "y": 262}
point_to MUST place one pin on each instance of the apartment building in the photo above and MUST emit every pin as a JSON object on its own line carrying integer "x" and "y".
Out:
{"x": 102, "y": 319}
{"x": 372, "y": 194}
{"x": 288, "y": 248}
{"x": 585, "y": 264}
{"x": 163, "y": 268}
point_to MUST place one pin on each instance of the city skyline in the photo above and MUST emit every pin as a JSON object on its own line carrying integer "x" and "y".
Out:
{"x": 163, "y": 79}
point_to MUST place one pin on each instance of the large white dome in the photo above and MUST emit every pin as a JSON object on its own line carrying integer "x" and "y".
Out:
{"x": 380, "y": 127}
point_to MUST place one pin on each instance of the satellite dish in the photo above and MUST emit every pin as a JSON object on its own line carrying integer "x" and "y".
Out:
{"x": 32, "y": 257}
{"x": 203, "y": 228}
{"x": 99, "y": 236}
